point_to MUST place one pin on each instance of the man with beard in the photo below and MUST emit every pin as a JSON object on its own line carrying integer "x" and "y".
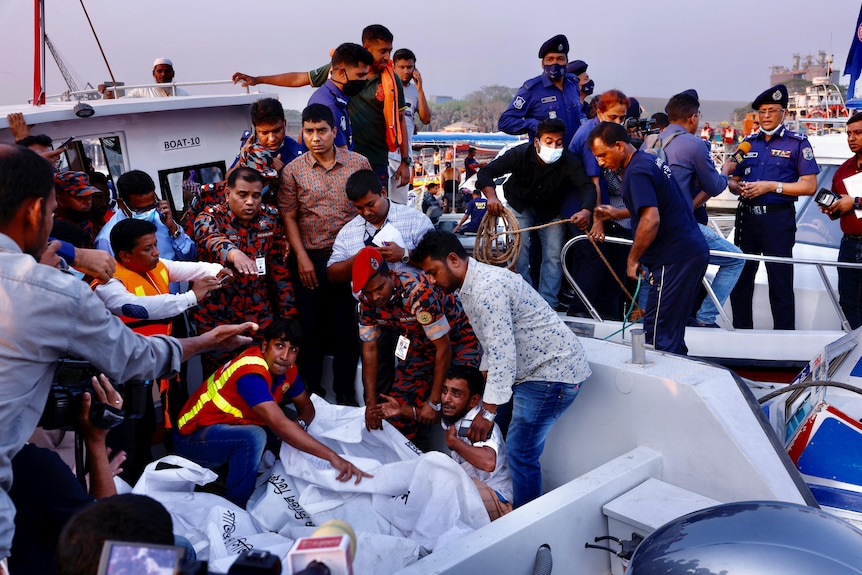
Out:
{"x": 74, "y": 204}
{"x": 533, "y": 359}
{"x": 484, "y": 461}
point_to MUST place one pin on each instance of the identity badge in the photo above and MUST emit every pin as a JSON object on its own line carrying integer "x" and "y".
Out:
{"x": 261, "y": 265}
{"x": 401, "y": 347}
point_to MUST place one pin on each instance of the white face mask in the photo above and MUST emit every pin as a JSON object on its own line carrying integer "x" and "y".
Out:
{"x": 772, "y": 131}
{"x": 549, "y": 155}
{"x": 148, "y": 216}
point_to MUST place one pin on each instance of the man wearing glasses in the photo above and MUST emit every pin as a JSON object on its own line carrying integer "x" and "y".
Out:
{"x": 779, "y": 167}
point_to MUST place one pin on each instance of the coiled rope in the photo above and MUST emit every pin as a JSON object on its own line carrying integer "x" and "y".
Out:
{"x": 490, "y": 248}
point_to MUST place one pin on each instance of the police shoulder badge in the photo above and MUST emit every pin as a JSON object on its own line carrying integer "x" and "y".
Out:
{"x": 519, "y": 102}
{"x": 808, "y": 153}
{"x": 424, "y": 317}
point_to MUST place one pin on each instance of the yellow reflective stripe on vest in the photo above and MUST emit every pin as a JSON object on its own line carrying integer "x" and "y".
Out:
{"x": 214, "y": 386}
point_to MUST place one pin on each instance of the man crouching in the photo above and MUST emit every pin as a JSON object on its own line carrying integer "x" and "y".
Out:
{"x": 235, "y": 413}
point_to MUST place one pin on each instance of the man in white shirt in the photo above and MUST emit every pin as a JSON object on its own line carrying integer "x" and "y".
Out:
{"x": 483, "y": 461}
{"x": 404, "y": 61}
{"x": 533, "y": 358}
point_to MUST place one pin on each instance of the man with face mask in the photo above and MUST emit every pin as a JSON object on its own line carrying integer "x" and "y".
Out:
{"x": 74, "y": 204}
{"x": 554, "y": 94}
{"x": 586, "y": 85}
{"x": 543, "y": 173}
{"x": 779, "y": 167}
{"x": 349, "y": 73}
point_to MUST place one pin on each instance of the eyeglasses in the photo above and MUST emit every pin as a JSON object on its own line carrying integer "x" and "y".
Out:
{"x": 769, "y": 111}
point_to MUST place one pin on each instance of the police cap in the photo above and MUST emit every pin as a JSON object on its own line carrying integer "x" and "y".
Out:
{"x": 576, "y": 67}
{"x": 690, "y": 92}
{"x": 558, "y": 43}
{"x": 774, "y": 95}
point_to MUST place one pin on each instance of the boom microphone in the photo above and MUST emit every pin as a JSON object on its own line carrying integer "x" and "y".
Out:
{"x": 740, "y": 152}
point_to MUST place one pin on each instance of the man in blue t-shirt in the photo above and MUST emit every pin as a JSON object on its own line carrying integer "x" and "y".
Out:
{"x": 476, "y": 209}
{"x": 350, "y": 67}
{"x": 666, "y": 237}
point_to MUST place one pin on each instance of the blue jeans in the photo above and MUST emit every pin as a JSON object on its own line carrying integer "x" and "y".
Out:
{"x": 240, "y": 446}
{"x": 552, "y": 238}
{"x": 850, "y": 281}
{"x": 726, "y": 276}
{"x": 536, "y": 406}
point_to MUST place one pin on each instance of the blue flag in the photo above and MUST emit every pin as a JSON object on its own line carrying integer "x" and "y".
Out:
{"x": 854, "y": 58}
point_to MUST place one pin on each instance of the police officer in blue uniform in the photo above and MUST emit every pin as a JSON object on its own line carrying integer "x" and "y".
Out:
{"x": 554, "y": 94}
{"x": 778, "y": 168}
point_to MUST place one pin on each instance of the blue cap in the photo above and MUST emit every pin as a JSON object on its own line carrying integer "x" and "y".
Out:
{"x": 774, "y": 95}
{"x": 558, "y": 43}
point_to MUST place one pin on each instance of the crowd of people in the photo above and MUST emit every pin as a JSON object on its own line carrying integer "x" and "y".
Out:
{"x": 306, "y": 250}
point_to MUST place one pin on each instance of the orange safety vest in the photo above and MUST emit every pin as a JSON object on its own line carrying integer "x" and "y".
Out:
{"x": 218, "y": 401}
{"x": 154, "y": 282}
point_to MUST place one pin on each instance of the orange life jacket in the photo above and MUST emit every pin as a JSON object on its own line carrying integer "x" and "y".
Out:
{"x": 390, "y": 107}
{"x": 218, "y": 401}
{"x": 154, "y": 282}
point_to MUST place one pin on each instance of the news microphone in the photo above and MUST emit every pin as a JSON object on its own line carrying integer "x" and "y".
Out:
{"x": 740, "y": 152}
{"x": 329, "y": 551}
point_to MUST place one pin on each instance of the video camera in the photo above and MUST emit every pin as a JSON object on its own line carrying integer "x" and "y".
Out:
{"x": 644, "y": 126}
{"x": 73, "y": 377}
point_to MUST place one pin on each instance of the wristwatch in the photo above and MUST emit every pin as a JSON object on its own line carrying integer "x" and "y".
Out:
{"x": 407, "y": 160}
{"x": 435, "y": 406}
{"x": 177, "y": 233}
{"x": 857, "y": 204}
{"x": 406, "y": 257}
{"x": 488, "y": 415}
{"x": 780, "y": 188}
{"x": 302, "y": 423}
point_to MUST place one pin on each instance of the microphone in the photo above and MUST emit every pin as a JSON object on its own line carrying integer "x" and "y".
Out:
{"x": 329, "y": 551}
{"x": 740, "y": 152}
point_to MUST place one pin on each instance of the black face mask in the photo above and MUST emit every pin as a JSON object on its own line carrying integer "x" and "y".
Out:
{"x": 353, "y": 87}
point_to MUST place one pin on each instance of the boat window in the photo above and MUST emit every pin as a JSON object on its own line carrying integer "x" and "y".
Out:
{"x": 180, "y": 185}
{"x": 99, "y": 154}
{"x": 812, "y": 226}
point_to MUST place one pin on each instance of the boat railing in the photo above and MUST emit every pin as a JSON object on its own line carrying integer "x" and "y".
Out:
{"x": 94, "y": 94}
{"x": 819, "y": 265}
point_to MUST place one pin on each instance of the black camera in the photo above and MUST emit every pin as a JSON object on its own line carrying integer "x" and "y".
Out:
{"x": 641, "y": 125}
{"x": 72, "y": 377}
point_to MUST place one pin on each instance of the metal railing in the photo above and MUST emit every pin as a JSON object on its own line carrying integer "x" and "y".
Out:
{"x": 93, "y": 93}
{"x": 819, "y": 265}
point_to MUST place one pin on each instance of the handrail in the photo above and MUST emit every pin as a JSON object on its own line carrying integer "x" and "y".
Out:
{"x": 86, "y": 94}
{"x": 820, "y": 265}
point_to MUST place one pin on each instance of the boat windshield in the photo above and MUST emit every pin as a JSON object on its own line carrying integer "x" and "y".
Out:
{"x": 812, "y": 226}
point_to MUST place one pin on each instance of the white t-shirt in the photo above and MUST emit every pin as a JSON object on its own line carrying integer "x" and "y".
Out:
{"x": 499, "y": 480}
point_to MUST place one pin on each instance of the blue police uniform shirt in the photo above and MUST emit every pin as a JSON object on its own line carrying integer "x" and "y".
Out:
{"x": 331, "y": 96}
{"x": 690, "y": 161}
{"x": 539, "y": 99}
{"x": 647, "y": 182}
{"x": 476, "y": 209}
{"x": 784, "y": 158}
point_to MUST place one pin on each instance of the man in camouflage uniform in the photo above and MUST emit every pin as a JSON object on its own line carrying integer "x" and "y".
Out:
{"x": 434, "y": 331}
{"x": 248, "y": 238}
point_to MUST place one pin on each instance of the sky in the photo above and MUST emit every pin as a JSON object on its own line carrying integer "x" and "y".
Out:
{"x": 722, "y": 48}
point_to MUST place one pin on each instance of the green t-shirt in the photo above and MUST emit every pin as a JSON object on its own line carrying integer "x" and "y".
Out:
{"x": 366, "y": 116}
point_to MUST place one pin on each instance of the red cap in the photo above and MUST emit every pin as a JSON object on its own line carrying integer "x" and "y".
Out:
{"x": 365, "y": 266}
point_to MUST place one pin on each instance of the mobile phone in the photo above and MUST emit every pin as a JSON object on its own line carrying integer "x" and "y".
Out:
{"x": 66, "y": 143}
{"x": 465, "y": 428}
{"x": 123, "y": 557}
{"x": 825, "y": 197}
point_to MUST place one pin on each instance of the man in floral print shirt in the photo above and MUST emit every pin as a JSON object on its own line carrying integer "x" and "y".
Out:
{"x": 533, "y": 358}
{"x": 247, "y": 237}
